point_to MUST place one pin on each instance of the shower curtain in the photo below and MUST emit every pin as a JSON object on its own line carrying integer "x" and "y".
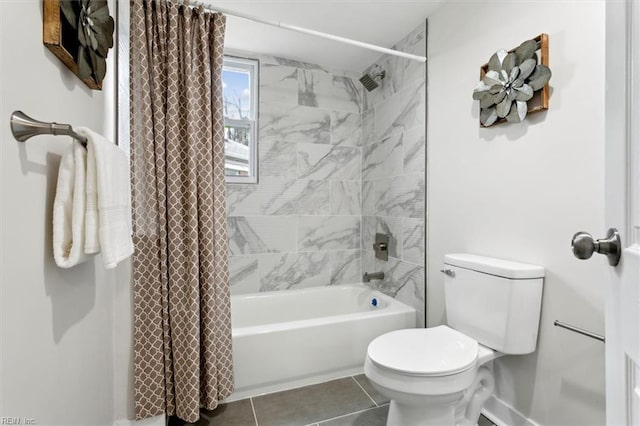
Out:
{"x": 182, "y": 324}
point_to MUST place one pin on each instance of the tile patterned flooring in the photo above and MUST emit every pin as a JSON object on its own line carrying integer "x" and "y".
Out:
{"x": 350, "y": 401}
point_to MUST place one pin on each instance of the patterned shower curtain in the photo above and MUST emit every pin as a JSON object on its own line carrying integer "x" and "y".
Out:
{"x": 182, "y": 347}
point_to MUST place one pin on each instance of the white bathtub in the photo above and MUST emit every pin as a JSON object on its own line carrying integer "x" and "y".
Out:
{"x": 292, "y": 338}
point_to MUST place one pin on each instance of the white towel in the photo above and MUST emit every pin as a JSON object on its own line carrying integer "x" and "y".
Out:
{"x": 108, "y": 211}
{"x": 69, "y": 208}
{"x": 92, "y": 241}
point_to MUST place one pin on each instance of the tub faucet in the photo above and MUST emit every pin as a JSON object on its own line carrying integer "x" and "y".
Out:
{"x": 372, "y": 276}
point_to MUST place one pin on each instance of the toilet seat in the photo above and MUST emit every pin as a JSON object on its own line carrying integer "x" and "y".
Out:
{"x": 429, "y": 352}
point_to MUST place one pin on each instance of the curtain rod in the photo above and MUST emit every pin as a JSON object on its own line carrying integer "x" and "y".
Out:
{"x": 308, "y": 31}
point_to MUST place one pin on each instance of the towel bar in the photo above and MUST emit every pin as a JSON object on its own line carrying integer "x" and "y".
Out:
{"x": 579, "y": 330}
{"x": 24, "y": 127}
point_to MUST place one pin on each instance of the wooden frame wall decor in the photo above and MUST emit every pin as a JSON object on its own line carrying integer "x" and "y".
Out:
{"x": 540, "y": 99}
{"x": 60, "y": 38}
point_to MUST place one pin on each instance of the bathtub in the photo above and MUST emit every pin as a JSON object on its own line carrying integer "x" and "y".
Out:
{"x": 291, "y": 338}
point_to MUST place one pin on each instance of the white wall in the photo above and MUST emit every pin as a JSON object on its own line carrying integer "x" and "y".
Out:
{"x": 56, "y": 342}
{"x": 520, "y": 191}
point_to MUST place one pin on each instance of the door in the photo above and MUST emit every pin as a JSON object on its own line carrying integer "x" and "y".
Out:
{"x": 622, "y": 197}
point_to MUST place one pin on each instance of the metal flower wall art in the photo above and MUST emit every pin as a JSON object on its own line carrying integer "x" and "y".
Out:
{"x": 510, "y": 80}
{"x": 94, "y": 28}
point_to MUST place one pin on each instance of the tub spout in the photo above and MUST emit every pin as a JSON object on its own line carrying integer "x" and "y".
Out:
{"x": 372, "y": 276}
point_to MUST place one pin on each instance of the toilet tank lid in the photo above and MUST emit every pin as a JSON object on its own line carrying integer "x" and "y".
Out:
{"x": 493, "y": 266}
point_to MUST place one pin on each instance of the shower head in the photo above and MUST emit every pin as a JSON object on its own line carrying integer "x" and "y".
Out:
{"x": 369, "y": 81}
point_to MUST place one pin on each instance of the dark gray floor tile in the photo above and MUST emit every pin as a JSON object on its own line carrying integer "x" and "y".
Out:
{"x": 237, "y": 413}
{"x": 368, "y": 388}
{"x": 483, "y": 421}
{"x": 176, "y": 421}
{"x": 311, "y": 404}
{"x": 372, "y": 417}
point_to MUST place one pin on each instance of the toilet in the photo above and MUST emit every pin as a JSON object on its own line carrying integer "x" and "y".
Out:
{"x": 438, "y": 375}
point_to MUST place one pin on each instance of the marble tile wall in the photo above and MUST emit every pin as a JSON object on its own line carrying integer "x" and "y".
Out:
{"x": 300, "y": 226}
{"x": 393, "y": 173}
{"x": 336, "y": 165}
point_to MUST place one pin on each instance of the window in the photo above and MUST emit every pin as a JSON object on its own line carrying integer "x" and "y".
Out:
{"x": 240, "y": 104}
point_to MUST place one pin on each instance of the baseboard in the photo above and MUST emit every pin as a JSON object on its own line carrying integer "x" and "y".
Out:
{"x": 151, "y": 421}
{"x": 292, "y": 384}
{"x": 502, "y": 414}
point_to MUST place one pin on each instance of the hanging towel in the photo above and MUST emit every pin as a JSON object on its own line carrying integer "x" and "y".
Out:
{"x": 108, "y": 207}
{"x": 69, "y": 208}
{"x": 92, "y": 237}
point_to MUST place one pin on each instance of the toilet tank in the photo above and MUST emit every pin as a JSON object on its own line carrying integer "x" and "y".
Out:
{"x": 497, "y": 302}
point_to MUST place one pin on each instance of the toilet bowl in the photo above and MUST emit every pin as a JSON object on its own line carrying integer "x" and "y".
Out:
{"x": 429, "y": 375}
{"x": 437, "y": 376}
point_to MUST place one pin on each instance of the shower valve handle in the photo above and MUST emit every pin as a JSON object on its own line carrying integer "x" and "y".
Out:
{"x": 380, "y": 246}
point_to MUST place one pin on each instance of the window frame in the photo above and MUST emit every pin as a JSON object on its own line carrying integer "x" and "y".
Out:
{"x": 252, "y": 65}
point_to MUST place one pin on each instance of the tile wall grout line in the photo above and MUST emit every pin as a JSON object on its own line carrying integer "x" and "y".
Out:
{"x": 345, "y": 415}
{"x": 365, "y": 392}
{"x": 253, "y": 409}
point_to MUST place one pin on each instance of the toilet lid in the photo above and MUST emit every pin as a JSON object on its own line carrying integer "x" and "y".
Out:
{"x": 435, "y": 351}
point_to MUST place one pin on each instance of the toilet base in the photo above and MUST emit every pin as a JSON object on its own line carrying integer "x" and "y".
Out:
{"x": 475, "y": 397}
{"x": 433, "y": 411}
{"x": 454, "y": 409}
